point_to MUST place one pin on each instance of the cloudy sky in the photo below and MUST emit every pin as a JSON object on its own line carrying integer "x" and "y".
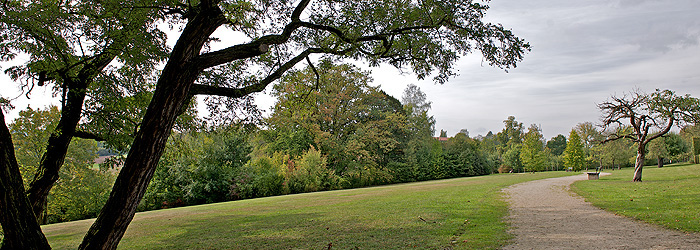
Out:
{"x": 583, "y": 52}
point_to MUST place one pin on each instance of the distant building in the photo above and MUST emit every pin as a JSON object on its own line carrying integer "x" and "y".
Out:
{"x": 442, "y": 138}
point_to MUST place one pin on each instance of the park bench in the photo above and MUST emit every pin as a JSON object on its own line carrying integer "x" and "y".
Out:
{"x": 594, "y": 175}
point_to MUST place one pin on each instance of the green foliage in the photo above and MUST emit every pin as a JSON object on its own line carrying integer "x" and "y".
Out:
{"x": 310, "y": 174}
{"x": 197, "y": 168}
{"x": 360, "y": 130}
{"x": 260, "y": 177}
{"x": 512, "y": 160}
{"x": 557, "y": 145}
{"x": 574, "y": 155}
{"x": 30, "y": 133}
{"x": 512, "y": 133}
{"x": 415, "y": 100}
{"x": 463, "y": 158}
{"x": 532, "y": 154}
{"x": 81, "y": 190}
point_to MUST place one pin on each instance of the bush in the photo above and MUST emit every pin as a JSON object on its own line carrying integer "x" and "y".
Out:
{"x": 260, "y": 177}
{"x": 311, "y": 174}
{"x": 197, "y": 168}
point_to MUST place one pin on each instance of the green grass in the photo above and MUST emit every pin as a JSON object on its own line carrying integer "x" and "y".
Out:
{"x": 667, "y": 196}
{"x": 464, "y": 213}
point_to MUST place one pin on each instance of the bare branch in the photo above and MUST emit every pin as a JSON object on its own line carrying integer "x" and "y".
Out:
{"x": 199, "y": 89}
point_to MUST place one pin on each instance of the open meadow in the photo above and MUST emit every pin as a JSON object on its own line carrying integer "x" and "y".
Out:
{"x": 462, "y": 213}
{"x": 668, "y": 196}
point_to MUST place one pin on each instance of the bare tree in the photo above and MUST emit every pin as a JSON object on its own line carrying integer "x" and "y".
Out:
{"x": 649, "y": 115}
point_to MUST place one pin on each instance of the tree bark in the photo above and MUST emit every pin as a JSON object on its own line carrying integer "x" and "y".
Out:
{"x": 660, "y": 162}
{"x": 20, "y": 228}
{"x": 639, "y": 163}
{"x": 56, "y": 149}
{"x": 172, "y": 92}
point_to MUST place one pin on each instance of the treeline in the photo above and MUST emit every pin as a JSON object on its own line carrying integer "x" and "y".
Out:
{"x": 329, "y": 129}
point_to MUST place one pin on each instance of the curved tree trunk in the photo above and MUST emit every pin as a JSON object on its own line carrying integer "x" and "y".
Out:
{"x": 20, "y": 228}
{"x": 56, "y": 149}
{"x": 660, "y": 162}
{"x": 172, "y": 92}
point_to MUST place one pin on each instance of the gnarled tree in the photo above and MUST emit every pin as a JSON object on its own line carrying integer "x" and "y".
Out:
{"x": 650, "y": 116}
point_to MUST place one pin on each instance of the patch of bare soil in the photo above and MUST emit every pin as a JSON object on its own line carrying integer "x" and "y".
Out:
{"x": 545, "y": 215}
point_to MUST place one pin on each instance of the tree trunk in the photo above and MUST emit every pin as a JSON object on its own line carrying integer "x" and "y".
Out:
{"x": 639, "y": 164}
{"x": 20, "y": 228}
{"x": 660, "y": 162}
{"x": 172, "y": 92}
{"x": 56, "y": 149}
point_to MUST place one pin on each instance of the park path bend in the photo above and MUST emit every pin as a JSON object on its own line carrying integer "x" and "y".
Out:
{"x": 546, "y": 215}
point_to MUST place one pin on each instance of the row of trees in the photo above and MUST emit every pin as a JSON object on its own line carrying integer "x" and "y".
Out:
{"x": 329, "y": 129}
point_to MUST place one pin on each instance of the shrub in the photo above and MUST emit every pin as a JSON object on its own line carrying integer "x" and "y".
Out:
{"x": 310, "y": 174}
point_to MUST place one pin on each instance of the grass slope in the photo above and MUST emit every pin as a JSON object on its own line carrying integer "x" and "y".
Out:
{"x": 464, "y": 213}
{"x": 667, "y": 196}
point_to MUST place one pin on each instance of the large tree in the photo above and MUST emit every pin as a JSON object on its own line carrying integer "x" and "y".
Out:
{"x": 650, "y": 116}
{"x": 427, "y": 37}
{"x": 70, "y": 46}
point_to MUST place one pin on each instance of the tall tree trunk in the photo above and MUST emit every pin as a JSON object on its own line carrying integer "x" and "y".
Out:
{"x": 660, "y": 162}
{"x": 639, "y": 163}
{"x": 20, "y": 228}
{"x": 172, "y": 92}
{"x": 56, "y": 149}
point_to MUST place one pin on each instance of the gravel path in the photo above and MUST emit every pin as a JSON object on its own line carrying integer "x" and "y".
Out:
{"x": 545, "y": 215}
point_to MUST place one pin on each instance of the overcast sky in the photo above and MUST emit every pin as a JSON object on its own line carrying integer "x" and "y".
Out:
{"x": 582, "y": 53}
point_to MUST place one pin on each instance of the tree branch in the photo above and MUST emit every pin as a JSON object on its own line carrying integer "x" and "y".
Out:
{"x": 199, "y": 89}
{"x": 254, "y": 48}
{"x": 87, "y": 135}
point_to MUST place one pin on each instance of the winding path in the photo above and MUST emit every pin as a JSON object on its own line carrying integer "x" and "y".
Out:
{"x": 545, "y": 215}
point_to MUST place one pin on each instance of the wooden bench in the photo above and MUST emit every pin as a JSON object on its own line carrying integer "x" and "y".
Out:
{"x": 594, "y": 175}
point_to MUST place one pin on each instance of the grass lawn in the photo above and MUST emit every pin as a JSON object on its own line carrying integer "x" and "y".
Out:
{"x": 668, "y": 196}
{"x": 464, "y": 213}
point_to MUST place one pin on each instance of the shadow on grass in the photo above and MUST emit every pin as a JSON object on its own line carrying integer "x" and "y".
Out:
{"x": 301, "y": 230}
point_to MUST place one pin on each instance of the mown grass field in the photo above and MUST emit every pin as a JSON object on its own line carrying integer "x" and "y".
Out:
{"x": 464, "y": 213}
{"x": 668, "y": 196}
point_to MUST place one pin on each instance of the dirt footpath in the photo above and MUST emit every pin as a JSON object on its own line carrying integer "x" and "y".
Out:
{"x": 545, "y": 215}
